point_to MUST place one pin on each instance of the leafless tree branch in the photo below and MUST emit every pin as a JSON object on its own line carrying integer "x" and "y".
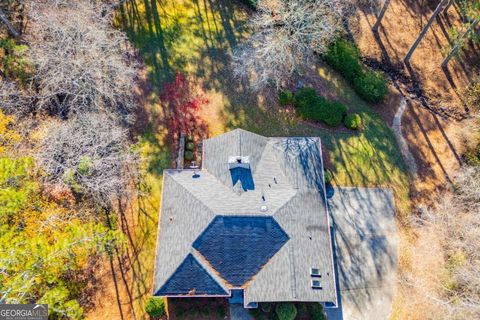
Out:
{"x": 90, "y": 155}
{"x": 286, "y": 35}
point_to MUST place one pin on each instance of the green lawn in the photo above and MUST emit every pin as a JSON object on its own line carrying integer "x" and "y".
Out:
{"x": 196, "y": 38}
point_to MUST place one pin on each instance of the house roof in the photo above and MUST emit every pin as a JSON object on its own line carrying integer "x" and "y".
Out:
{"x": 262, "y": 229}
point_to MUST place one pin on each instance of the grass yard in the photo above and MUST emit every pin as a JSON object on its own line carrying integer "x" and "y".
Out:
{"x": 196, "y": 38}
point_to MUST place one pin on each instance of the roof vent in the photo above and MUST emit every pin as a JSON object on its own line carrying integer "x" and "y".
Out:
{"x": 315, "y": 272}
{"x": 238, "y": 162}
{"x": 316, "y": 284}
{"x": 195, "y": 168}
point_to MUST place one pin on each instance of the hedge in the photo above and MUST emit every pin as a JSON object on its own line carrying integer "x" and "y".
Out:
{"x": 311, "y": 106}
{"x": 343, "y": 56}
{"x": 371, "y": 86}
{"x": 331, "y": 112}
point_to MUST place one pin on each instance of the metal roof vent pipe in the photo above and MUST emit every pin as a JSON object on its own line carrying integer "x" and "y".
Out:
{"x": 195, "y": 168}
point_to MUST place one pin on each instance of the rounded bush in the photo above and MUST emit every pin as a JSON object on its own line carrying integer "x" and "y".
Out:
{"x": 317, "y": 312}
{"x": 344, "y": 57}
{"x": 190, "y": 146}
{"x": 332, "y": 113}
{"x": 371, "y": 86}
{"x": 353, "y": 121}
{"x": 188, "y": 155}
{"x": 155, "y": 307}
{"x": 286, "y": 311}
{"x": 305, "y": 100}
{"x": 285, "y": 97}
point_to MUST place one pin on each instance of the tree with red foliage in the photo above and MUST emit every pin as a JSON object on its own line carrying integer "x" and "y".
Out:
{"x": 182, "y": 108}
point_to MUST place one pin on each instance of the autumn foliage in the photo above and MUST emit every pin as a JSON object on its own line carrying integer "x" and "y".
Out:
{"x": 182, "y": 109}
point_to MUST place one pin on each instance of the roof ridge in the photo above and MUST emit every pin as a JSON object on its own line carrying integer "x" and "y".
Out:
{"x": 193, "y": 195}
{"x": 178, "y": 273}
{"x": 213, "y": 272}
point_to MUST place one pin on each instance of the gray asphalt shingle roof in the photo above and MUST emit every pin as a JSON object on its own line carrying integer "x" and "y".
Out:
{"x": 288, "y": 181}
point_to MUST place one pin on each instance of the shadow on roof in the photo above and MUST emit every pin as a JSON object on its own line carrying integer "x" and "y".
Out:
{"x": 245, "y": 177}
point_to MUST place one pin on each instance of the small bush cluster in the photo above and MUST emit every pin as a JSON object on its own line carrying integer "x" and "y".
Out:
{"x": 317, "y": 312}
{"x": 188, "y": 155}
{"x": 314, "y": 107}
{"x": 344, "y": 57}
{"x": 285, "y": 97}
{"x": 371, "y": 86}
{"x": 353, "y": 121}
{"x": 286, "y": 311}
{"x": 190, "y": 146}
{"x": 155, "y": 307}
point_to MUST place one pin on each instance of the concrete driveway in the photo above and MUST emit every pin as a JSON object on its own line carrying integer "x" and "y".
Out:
{"x": 365, "y": 247}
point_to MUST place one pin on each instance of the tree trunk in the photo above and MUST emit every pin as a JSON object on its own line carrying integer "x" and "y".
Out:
{"x": 380, "y": 16}
{"x": 457, "y": 46}
{"x": 449, "y": 4}
{"x": 424, "y": 31}
{"x": 10, "y": 27}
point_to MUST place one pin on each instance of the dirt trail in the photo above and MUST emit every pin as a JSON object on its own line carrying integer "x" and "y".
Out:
{"x": 397, "y": 130}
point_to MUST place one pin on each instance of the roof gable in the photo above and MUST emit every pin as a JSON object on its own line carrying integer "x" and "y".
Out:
{"x": 239, "y": 246}
{"x": 191, "y": 278}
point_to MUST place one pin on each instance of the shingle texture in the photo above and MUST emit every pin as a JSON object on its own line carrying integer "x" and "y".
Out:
{"x": 217, "y": 221}
{"x": 238, "y": 247}
{"x": 191, "y": 278}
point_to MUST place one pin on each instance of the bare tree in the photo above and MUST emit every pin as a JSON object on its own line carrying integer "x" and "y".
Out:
{"x": 381, "y": 15}
{"x": 457, "y": 222}
{"x": 82, "y": 62}
{"x": 286, "y": 34}
{"x": 13, "y": 31}
{"x": 14, "y": 99}
{"x": 90, "y": 155}
{"x": 422, "y": 34}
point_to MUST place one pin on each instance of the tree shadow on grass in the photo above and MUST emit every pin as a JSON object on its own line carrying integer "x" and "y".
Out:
{"x": 182, "y": 37}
